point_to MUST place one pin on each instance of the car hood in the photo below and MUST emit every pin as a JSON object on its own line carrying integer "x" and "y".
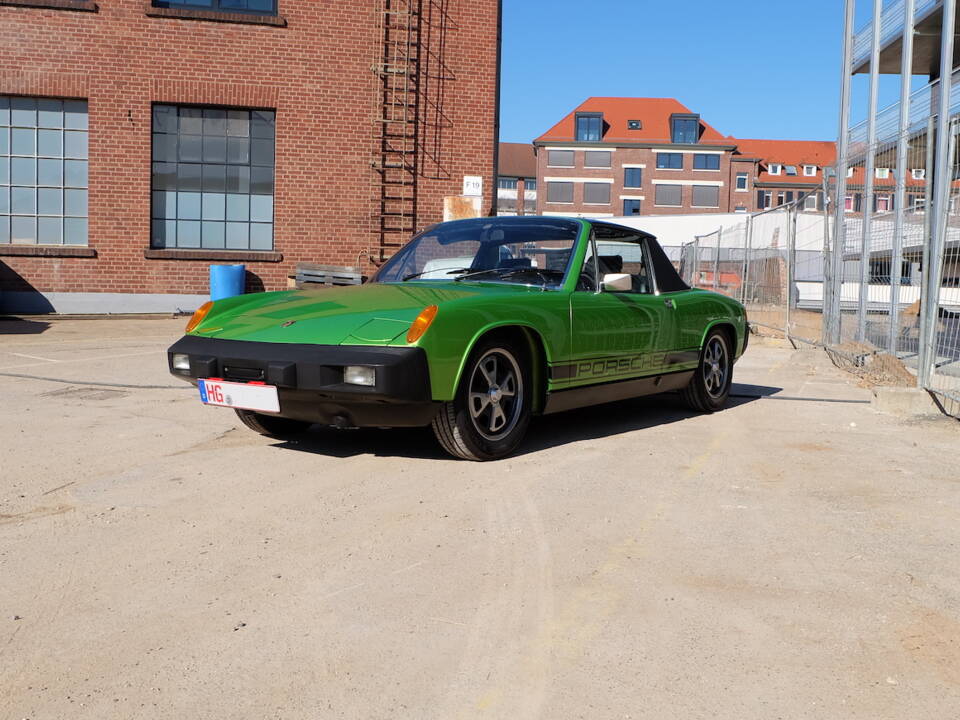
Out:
{"x": 371, "y": 314}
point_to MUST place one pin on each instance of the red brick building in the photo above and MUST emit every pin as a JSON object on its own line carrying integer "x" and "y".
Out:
{"x": 516, "y": 179}
{"x": 654, "y": 156}
{"x": 143, "y": 140}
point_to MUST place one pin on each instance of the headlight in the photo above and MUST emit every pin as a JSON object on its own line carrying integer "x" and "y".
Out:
{"x": 181, "y": 362}
{"x": 360, "y": 375}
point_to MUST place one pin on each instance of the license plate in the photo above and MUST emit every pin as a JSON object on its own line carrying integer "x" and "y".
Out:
{"x": 246, "y": 396}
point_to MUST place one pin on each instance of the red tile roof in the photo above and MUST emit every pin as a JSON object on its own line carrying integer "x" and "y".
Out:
{"x": 517, "y": 160}
{"x": 653, "y": 114}
{"x": 788, "y": 152}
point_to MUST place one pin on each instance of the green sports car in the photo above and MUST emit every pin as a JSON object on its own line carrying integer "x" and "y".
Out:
{"x": 473, "y": 327}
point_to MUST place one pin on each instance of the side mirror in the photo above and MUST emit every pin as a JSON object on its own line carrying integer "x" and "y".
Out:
{"x": 617, "y": 282}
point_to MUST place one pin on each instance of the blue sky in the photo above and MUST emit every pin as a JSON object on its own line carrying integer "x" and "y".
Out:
{"x": 751, "y": 68}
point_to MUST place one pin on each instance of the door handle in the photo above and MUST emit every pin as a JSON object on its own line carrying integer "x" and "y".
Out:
{"x": 668, "y": 302}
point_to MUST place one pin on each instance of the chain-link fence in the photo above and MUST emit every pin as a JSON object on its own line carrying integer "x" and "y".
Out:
{"x": 859, "y": 292}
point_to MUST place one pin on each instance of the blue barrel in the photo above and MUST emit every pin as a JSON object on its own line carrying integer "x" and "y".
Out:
{"x": 226, "y": 281}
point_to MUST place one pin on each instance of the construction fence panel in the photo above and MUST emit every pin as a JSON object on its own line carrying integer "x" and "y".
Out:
{"x": 944, "y": 293}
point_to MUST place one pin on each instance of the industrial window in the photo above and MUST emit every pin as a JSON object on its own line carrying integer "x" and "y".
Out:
{"x": 254, "y": 7}
{"x": 670, "y": 195}
{"x": 507, "y": 183}
{"x": 560, "y": 158}
{"x": 685, "y": 130}
{"x": 810, "y": 170}
{"x": 741, "y": 182}
{"x": 706, "y": 196}
{"x": 596, "y": 193}
{"x": 632, "y": 177}
{"x": 589, "y": 127}
{"x": 631, "y": 207}
{"x": 596, "y": 159}
{"x": 43, "y": 171}
{"x": 560, "y": 192}
{"x": 669, "y": 161}
{"x": 703, "y": 161}
{"x": 213, "y": 173}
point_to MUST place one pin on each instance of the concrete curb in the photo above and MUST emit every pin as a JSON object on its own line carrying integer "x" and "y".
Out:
{"x": 904, "y": 402}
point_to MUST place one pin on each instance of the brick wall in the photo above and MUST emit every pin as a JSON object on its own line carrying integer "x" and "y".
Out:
{"x": 315, "y": 70}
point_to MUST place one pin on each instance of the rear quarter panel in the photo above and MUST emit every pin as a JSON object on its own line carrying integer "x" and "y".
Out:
{"x": 698, "y": 311}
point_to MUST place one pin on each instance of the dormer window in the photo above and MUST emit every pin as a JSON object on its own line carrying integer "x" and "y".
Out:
{"x": 774, "y": 168}
{"x": 809, "y": 170}
{"x": 685, "y": 129}
{"x": 882, "y": 173}
{"x": 589, "y": 127}
{"x": 791, "y": 169}
{"x": 634, "y": 125}
{"x": 918, "y": 173}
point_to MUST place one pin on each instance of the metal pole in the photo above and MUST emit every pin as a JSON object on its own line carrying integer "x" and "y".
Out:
{"x": 716, "y": 262}
{"x": 829, "y": 284}
{"x": 941, "y": 195}
{"x": 746, "y": 258}
{"x": 696, "y": 260}
{"x": 867, "y": 227}
{"x": 900, "y": 196}
{"x": 791, "y": 262}
{"x": 927, "y": 227}
{"x": 843, "y": 150}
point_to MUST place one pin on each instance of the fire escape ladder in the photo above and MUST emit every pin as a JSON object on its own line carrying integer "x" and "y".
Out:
{"x": 397, "y": 124}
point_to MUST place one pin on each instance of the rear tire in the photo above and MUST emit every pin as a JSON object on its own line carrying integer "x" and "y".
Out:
{"x": 491, "y": 411}
{"x": 709, "y": 387}
{"x": 272, "y": 426}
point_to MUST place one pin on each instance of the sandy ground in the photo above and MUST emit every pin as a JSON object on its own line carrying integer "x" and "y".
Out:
{"x": 794, "y": 556}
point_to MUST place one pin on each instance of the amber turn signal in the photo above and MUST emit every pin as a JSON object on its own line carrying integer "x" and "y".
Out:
{"x": 199, "y": 315}
{"x": 421, "y": 324}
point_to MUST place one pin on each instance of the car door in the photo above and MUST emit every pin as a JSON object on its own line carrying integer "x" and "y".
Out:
{"x": 618, "y": 335}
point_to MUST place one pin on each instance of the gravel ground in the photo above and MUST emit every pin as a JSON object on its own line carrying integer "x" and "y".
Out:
{"x": 794, "y": 556}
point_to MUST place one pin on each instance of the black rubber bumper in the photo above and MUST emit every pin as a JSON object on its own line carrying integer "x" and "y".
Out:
{"x": 309, "y": 379}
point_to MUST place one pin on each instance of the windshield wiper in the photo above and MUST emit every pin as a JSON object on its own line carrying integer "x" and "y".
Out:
{"x": 510, "y": 272}
{"x": 479, "y": 272}
{"x": 411, "y": 276}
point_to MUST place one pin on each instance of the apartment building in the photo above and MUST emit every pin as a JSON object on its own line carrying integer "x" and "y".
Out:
{"x": 770, "y": 173}
{"x": 654, "y": 156}
{"x": 633, "y": 156}
{"x": 143, "y": 140}
{"x": 516, "y": 179}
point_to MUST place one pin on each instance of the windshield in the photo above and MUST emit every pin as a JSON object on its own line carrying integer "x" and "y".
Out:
{"x": 524, "y": 251}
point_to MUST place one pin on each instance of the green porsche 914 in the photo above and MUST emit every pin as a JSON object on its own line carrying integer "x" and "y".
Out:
{"x": 473, "y": 327}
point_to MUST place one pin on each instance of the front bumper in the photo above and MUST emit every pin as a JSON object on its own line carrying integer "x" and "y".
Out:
{"x": 309, "y": 379}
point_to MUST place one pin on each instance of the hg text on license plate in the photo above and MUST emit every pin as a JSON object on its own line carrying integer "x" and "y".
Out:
{"x": 246, "y": 396}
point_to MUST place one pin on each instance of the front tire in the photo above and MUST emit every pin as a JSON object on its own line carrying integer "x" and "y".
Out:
{"x": 490, "y": 414}
{"x": 709, "y": 387}
{"x": 272, "y": 426}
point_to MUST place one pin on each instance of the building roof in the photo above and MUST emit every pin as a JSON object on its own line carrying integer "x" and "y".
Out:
{"x": 517, "y": 160}
{"x": 653, "y": 114}
{"x": 788, "y": 152}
